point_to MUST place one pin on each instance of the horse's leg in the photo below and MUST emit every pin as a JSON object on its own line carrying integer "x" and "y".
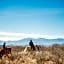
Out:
{"x": 0, "y": 56}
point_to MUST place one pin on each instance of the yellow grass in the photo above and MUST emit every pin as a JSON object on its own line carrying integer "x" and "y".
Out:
{"x": 46, "y": 55}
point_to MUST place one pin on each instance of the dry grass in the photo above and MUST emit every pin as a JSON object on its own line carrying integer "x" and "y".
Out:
{"x": 46, "y": 55}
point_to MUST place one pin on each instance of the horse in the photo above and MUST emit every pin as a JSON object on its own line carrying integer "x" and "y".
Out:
{"x": 5, "y": 51}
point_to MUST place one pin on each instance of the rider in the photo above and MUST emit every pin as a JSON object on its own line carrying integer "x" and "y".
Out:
{"x": 4, "y": 46}
{"x": 31, "y": 45}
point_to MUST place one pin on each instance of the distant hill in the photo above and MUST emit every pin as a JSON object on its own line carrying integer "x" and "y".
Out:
{"x": 40, "y": 41}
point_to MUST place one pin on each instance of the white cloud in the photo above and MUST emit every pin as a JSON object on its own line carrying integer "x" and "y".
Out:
{"x": 5, "y": 36}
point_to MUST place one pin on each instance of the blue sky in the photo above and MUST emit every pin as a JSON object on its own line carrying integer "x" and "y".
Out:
{"x": 32, "y": 16}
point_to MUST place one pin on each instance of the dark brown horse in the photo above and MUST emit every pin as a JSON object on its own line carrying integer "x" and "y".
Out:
{"x": 5, "y": 51}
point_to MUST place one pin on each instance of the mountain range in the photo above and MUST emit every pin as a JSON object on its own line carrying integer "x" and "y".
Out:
{"x": 39, "y": 41}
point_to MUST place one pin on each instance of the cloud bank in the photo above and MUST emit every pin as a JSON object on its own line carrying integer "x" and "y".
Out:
{"x": 6, "y": 36}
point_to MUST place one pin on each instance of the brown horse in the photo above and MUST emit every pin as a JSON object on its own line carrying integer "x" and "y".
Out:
{"x": 5, "y": 51}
